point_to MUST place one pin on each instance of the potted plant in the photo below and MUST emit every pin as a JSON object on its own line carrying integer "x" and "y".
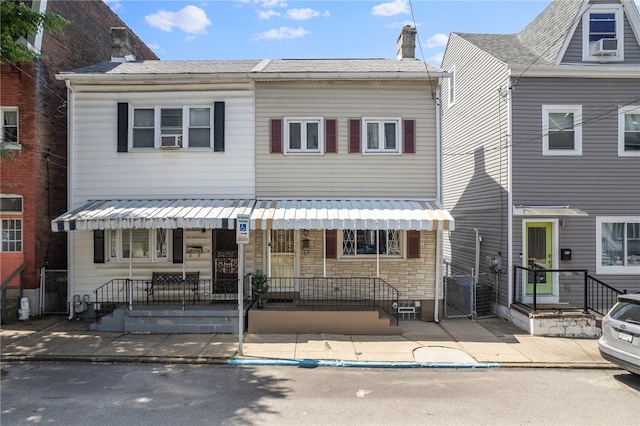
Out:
{"x": 260, "y": 285}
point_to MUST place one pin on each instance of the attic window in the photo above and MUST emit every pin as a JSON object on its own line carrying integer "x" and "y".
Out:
{"x": 603, "y": 34}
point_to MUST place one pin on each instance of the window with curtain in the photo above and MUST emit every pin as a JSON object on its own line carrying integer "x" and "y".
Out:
{"x": 619, "y": 249}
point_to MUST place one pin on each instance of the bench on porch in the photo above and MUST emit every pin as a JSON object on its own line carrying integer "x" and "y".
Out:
{"x": 169, "y": 285}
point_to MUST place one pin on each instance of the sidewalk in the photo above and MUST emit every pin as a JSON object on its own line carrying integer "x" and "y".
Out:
{"x": 455, "y": 343}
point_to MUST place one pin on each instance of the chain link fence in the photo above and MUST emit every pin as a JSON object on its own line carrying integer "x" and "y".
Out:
{"x": 53, "y": 291}
{"x": 464, "y": 295}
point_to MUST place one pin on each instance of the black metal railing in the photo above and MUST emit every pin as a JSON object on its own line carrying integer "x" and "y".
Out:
{"x": 138, "y": 292}
{"x": 579, "y": 289}
{"x": 4, "y": 314}
{"x": 338, "y": 292}
{"x": 599, "y": 297}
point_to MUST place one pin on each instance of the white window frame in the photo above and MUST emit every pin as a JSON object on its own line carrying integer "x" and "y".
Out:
{"x": 622, "y": 112}
{"x": 381, "y": 121}
{"x": 401, "y": 246}
{"x": 115, "y": 241}
{"x": 586, "y": 44}
{"x": 12, "y": 214}
{"x": 303, "y": 121}
{"x": 5, "y": 232}
{"x": 576, "y": 110}
{"x": 10, "y": 145}
{"x": 157, "y": 130}
{"x": 614, "y": 269}
{"x": 452, "y": 87}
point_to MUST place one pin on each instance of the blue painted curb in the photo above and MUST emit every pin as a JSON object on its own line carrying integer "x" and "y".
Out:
{"x": 312, "y": 363}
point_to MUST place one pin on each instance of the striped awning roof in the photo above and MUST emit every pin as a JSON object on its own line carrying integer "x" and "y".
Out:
{"x": 149, "y": 214}
{"x": 350, "y": 214}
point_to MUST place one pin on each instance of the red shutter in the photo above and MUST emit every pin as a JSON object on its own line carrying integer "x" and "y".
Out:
{"x": 276, "y": 136}
{"x": 331, "y": 136}
{"x": 331, "y": 243}
{"x": 409, "y": 136}
{"x": 354, "y": 136}
{"x": 413, "y": 244}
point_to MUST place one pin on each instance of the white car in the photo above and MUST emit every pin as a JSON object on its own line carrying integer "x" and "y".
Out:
{"x": 620, "y": 340}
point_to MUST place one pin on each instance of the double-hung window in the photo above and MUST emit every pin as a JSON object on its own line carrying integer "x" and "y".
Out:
{"x": 561, "y": 130}
{"x": 171, "y": 127}
{"x": 9, "y": 123}
{"x": 617, "y": 245}
{"x": 382, "y": 135}
{"x": 364, "y": 242}
{"x": 11, "y": 223}
{"x": 303, "y": 135}
{"x": 629, "y": 131}
{"x": 603, "y": 33}
{"x": 138, "y": 245}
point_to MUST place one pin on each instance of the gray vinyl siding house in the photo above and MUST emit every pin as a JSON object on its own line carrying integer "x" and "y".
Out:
{"x": 541, "y": 159}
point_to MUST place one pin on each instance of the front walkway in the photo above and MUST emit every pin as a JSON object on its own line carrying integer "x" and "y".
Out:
{"x": 453, "y": 342}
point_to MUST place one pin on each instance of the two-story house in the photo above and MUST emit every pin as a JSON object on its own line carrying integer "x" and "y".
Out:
{"x": 541, "y": 154}
{"x": 33, "y": 125}
{"x": 335, "y": 162}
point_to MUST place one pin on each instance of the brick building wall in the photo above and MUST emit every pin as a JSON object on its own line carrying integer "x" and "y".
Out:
{"x": 40, "y": 172}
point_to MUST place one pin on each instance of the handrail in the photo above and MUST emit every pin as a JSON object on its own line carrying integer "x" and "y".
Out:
{"x": 598, "y": 296}
{"x": 11, "y": 276}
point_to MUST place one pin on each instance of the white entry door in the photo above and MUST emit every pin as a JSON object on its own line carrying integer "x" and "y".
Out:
{"x": 282, "y": 259}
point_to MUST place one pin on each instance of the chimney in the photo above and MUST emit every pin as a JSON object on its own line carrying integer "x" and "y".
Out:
{"x": 121, "y": 45}
{"x": 407, "y": 43}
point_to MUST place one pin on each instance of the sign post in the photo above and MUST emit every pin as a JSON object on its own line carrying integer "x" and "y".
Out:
{"x": 242, "y": 238}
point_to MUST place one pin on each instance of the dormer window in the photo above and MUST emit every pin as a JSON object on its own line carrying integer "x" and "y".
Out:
{"x": 602, "y": 34}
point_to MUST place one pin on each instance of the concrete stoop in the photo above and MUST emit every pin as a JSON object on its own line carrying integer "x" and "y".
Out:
{"x": 565, "y": 323}
{"x": 274, "y": 321}
{"x": 169, "y": 321}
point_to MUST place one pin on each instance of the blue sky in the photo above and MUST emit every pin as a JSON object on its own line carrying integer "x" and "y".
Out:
{"x": 276, "y": 29}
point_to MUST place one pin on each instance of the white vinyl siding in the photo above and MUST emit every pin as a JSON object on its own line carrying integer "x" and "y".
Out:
{"x": 98, "y": 171}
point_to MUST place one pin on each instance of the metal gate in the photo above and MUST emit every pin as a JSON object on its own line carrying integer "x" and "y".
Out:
{"x": 53, "y": 291}
{"x": 463, "y": 298}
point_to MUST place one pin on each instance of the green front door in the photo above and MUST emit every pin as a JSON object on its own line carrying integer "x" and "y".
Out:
{"x": 539, "y": 256}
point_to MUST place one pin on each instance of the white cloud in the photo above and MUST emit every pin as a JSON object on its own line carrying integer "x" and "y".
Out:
{"x": 153, "y": 46}
{"x": 113, "y": 4}
{"x": 436, "y": 59}
{"x": 402, "y": 24}
{"x": 437, "y": 40}
{"x": 267, "y": 14}
{"x": 190, "y": 38}
{"x": 265, "y": 4}
{"x": 281, "y": 33}
{"x": 190, "y": 19}
{"x": 304, "y": 14}
{"x": 393, "y": 8}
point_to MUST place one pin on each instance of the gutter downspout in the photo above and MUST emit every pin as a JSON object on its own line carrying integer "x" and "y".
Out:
{"x": 71, "y": 283}
{"x": 439, "y": 232}
{"x": 509, "y": 197}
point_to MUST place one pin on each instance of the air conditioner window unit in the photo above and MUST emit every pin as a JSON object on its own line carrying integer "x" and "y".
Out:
{"x": 605, "y": 46}
{"x": 171, "y": 141}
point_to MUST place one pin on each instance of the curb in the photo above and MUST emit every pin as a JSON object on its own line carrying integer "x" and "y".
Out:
{"x": 313, "y": 363}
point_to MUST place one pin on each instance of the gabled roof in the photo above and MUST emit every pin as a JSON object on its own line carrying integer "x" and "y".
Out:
{"x": 541, "y": 41}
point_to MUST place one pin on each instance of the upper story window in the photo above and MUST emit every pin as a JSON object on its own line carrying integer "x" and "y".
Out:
{"x": 629, "y": 131}
{"x": 171, "y": 127}
{"x": 382, "y": 135}
{"x": 303, "y": 135}
{"x": 617, "y": 245}
{"x": 561, "y": 130}
{"x": 603, "y": 33}
{"x": 371, "y": 242}
{"x": 9, "y": 123}
{"x": 138, "y": 244}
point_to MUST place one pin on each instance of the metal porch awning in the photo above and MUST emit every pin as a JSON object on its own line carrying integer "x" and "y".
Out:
{"x": 552, "y": 211}
{"x": 350, "y": 214}
{"x": 151, "y": 214}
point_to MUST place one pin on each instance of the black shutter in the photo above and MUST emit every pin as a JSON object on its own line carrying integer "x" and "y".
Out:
{"x": 123, "y": 126}
{"x": 218, "y": 126}
{"x": 98, "y": 246}
{"x": 178, "y": 242}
